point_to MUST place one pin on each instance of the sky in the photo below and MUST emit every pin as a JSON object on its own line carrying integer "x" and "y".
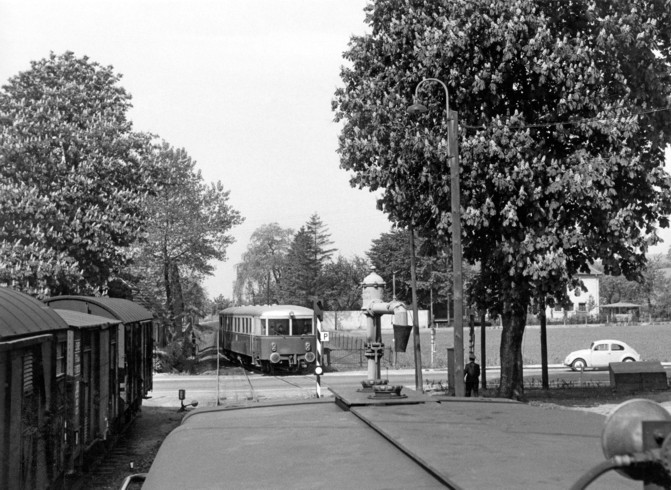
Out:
{"x": 244, "y": 86}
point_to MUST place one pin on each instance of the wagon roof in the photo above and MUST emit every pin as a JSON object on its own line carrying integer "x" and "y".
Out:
{"x": 78, "y": 319}
{"x": 268, "y": 310}
{"x": 21, "y": 315}
{"x": 119, "y": 308}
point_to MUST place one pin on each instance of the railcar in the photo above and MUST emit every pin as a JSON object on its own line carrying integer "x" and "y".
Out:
{"x": 269, "y": 336}
{"x": 72, "y": 375}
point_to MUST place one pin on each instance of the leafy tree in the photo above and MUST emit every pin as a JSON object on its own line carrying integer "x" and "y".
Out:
{"x": 73, "y": 177}
{"x": 563, "y": 120}
{"x": 390, "y": 254}
{"x": 302, "y": 270}
{"x": 219, "y": 303}
{"x": 189, "y": 225}
{"x": 340, "y": 283}
{"x": 259, "y": 275}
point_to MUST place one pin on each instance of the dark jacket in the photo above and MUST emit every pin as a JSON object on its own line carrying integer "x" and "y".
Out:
{"x": 472, "y": 371}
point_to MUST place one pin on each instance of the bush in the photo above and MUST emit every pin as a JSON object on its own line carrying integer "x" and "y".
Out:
{"x": 178, "y": 356}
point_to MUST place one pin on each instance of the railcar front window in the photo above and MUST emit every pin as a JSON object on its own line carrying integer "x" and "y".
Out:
{"x": 302, "y": 326}
{"x": 278, "y": 327}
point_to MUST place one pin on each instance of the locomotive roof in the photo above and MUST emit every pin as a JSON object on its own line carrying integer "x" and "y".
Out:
{"x": 268, "y": 310}
{"x": 21, "y": 314}
{"x": 118, "y": 308}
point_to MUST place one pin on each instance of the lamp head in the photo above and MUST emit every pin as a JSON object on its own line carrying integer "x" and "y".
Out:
{"x": 417, "y": 108}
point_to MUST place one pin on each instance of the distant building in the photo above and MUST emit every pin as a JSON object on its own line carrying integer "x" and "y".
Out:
{"x": 583, "y": 303}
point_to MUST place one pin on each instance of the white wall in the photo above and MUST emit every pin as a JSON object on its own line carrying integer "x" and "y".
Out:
{"x": 578, "y": 296}
{"x": 356, "y": 319}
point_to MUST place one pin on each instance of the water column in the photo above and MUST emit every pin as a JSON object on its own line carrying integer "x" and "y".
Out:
{"x": 373, "y": 292}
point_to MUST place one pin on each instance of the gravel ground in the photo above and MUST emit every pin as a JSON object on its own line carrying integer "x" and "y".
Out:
{"x": 137, "y": 446}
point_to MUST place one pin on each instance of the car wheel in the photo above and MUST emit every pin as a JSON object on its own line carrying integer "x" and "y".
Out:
{"x": 628, "y": 359}
{"x": 578, "y": 364}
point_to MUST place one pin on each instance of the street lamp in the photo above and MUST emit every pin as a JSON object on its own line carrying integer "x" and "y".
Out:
{"x": 453, "y": 157}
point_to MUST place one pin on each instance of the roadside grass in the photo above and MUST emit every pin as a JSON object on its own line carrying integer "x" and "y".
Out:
{"x": 652, "y": 341}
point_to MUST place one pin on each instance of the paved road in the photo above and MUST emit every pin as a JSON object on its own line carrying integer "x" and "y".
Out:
{"x": 233, "y": 386}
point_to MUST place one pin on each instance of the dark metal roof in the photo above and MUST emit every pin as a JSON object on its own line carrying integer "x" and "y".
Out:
{"x": 22, "y": 315}
{"x": 118, "y": 308}
{"x": 77, "y": 319}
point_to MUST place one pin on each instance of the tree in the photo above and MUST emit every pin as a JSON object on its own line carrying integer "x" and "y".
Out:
{"x": 321, "y": 238}
{"x": 302, "y": 271}
{"x": 189, "y": 225}
{"x": 73, "y": 177}
{"x": 259, "y": 275}
{"x": 219, "y": 303}
{"x": 563, "y": 120}
{"x": 340, "y": 283}
{"x": 390, "y": 255}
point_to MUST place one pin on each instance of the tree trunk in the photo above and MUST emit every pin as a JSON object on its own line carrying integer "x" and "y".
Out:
{"x": 177, "y": 296}
{"x": 168, "y": 295}
{"x": 512, "y": 371}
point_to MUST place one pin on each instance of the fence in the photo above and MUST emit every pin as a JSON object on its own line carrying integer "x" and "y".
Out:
{"x": 345, "y": 350}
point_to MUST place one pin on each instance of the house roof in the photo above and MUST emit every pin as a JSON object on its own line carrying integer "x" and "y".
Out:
{"x": 592, "y": 272}
{"x": 22, "y": 315}
{"x": 621, "y": 305}
{"x": 118, "y": 308}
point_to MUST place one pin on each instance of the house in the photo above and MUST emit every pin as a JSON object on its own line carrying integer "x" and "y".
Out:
{"x": 582, "y": 302}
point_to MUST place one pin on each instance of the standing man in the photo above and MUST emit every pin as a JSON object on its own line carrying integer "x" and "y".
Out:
{"x": 472, "y": 376}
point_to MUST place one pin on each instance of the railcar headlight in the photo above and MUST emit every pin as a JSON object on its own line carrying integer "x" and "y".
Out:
{"x": 275, "y": 357}
{"x": 308, "y": 347}
{"x": 273, "y": 346}
{"x": 310, "y": 357}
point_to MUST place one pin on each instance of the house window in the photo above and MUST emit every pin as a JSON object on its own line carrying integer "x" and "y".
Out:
{"x": 582, "y": 306}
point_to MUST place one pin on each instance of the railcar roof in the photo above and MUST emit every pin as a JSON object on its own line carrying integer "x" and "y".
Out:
{"x": 268, "y": 310}
{"x": 78, "y": 319}
{"x": 21, "y": 314}
{"x": 118, "y": 308}
{"x": 358, "y": 443}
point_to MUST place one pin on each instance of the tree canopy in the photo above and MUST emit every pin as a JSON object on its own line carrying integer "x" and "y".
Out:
{"x": 563, "y": 116}
{"x": 259, "y": 275}
{"x": 73, "y": 177}
{"x": 390, "y": 255}
{"x": 295, "y": 268}
{"x": 189, "y": 224}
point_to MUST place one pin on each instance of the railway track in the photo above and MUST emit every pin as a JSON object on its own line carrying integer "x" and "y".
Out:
{"x": 251, "y": 385}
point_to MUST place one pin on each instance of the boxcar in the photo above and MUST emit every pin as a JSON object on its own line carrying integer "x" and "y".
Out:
{"x": 269, "y": 336}
{"x": 89, "y": 403}
{"x": 30, "y": 450}
{"x": 133, "y": 356}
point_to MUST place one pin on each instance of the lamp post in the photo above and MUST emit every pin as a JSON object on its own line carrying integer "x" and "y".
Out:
{"x": 453, "y": 156}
